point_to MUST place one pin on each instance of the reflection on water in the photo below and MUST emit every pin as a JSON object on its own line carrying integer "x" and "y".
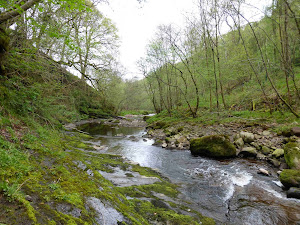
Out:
{"x": 230, "y": 191}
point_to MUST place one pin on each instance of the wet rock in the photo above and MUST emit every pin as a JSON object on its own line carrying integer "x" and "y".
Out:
{"x": 133, "y": 138}
{"x": 292, "y": 155}
{"x": 239, "y": 143}
{"x": 296, "y": 131}
{"x": 263, "y": 172}
{"x": 215, "y": 146}
{"x": 145, "y": 140}
{"x": 164, "y": 145}
{"x": 265, "y": 150}
{"x": 260, "y": 156}
{"x": 275, "y": 162}
{"x": 278, "y": 153}
{"x": 293, "y": 193}
{"x": 105, "y": 214}
{"x": 247, "y": 136}
{"x": 290, "y": 178}
{"x": 248, "y": 152}
{"x": 122, "y": 178}
{"x": 171, "y": 146}
{"x": 283, "y": 166}
{"x": 158, "y": 142}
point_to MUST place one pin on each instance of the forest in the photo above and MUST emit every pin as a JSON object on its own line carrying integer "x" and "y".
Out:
{"x": 225, "y": 71}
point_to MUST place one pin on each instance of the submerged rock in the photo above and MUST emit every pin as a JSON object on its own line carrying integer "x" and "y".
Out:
{"x": 290, "y": 178}
{"x": 215, "y": 146}
{"x": 292, "y": 155}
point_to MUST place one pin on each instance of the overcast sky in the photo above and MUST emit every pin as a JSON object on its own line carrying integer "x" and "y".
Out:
{"x": 137, "y": 24}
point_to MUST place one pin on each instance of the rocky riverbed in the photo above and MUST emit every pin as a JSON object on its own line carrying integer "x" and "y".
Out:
{"x": 281, "y": 150}
{"x": 240, "y": 190}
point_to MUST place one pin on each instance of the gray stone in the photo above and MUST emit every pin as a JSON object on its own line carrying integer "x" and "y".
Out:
{"x": 260, "y": 156}
{"x": 164, "y": 145}
{"x": 105, "y": 214}
{"x": 265, "y": 150}
{"x": 263, "y": 172}
{"x": 247, "y": 136}
{"x": 80, "y": 164}
{"x": 68, "y": 209}
{"x": 90, "y": 172}
{"x": 239, "y": 143}
{"x": 255, "y": 145}
{"x": 275, "y": 162}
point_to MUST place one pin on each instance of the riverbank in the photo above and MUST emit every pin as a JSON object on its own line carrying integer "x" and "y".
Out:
{"x": 230, "y": 191}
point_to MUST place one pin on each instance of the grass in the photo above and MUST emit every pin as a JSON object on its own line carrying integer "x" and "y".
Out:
{"x": 283, "y": 121}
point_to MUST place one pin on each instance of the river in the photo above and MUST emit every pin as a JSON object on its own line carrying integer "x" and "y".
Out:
{"x": 230, "y": 191}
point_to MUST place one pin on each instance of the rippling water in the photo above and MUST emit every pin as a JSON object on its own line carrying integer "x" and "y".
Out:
{"x": 230, "y": 191}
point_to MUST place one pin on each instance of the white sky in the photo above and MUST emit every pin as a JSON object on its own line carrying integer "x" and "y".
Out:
{"x": 137, "y": 24}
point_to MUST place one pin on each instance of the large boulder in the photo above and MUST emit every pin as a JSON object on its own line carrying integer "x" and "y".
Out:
{"x": 290, "y": 178}
{"x": 215, "y": 146}
{"x": 292, "y": 155}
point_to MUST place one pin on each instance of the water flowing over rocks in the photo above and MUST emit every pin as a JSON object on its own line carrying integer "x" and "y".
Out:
{"x": 241, "y": 190}
{"x": 281, "y": 150}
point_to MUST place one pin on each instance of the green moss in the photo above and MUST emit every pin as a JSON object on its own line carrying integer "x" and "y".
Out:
{"x": 216, "y": 146}
{"x": 292, "y": 155}
{"x": 290, "y": 178}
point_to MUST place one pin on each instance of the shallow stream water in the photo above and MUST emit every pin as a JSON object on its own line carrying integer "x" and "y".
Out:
{"x": 230, "y": 191}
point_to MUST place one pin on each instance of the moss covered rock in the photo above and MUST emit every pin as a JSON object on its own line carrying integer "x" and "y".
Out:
{"x": 290, "y": 178}
{"x": 278, "y": 153}
{"x": 292, "y": 155}
{"x": 215, "y": 146}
